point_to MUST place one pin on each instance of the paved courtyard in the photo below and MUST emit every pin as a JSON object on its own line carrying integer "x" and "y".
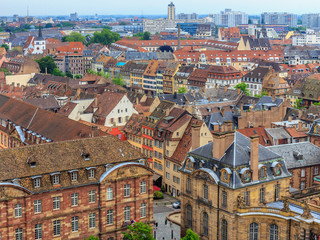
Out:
{"x": 164, "y": 231}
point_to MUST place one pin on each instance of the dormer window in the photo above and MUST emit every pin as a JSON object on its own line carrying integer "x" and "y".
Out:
{"x": 262, "y": 171}
{"x": 36, "y": 181}
{"x": 74, "y": 176}
{"x": 245, "y": 175}
{"x": 55, "y": 178}
{"x": 276, "y": 166}
{"x": 91, "y": 172}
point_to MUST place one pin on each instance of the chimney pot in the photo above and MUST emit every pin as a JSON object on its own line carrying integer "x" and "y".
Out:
{"x": 254, "y": 157}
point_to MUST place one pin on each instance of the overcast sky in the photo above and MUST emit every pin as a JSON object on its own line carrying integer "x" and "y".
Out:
{"x": 150, "y": 7}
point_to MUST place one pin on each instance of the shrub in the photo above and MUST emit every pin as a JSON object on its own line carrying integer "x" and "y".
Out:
{"x": 157, "y": 195}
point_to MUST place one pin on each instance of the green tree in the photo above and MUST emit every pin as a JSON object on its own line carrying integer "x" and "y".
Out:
{"x": 146, "y": 36}
{"x": 298, "y": 104}
{"x": 182, "y": 90}
{"x": 5, "y": 46}
{"x": 69, "y": 74}
{"x": 190, "y": 235}
{"x": 78, "y": 76}
{"x": 138, "y": 231}
{"x": 57, "y": 72}
{"x": 49, "y": 25}
{"x": 6, "y": 71}
{"x": 46, "y": 63}
{"x": 118, "y": 80}
{"x": 92, "y": 238}
{"x": 264, "y": 93}
{"x": 243, "y": 87}
{"x": 123, "y": 23}
{"x": 2, "y": 29}
{"x": 67, "y": 24}
{"x": 74, "y": 37}
{"x": 105, "y": 37}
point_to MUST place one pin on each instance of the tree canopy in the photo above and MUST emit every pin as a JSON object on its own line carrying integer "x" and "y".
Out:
{"x": 74, "y": 37}
{"x": 243, "y": 87}
{"x": 5, "y": 46}
{"x": 105, "y": 37}
{"x": 46, "y": 63}
{"x": 138, "y": 231}
{"x": 182, "y": 90}
{"x": 118, "y": 80}
{"x": 190, "y": 235}
{"x": 92, "y": 238}
{"x": 264, "y": 93}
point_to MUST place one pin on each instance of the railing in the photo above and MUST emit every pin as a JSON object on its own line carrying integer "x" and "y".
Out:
{"x": 264, "y": 210}
{"x": 204, "y": 201}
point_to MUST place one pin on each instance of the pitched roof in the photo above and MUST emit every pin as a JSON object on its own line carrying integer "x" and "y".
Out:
{"x": 134, "y": 124}
{"x": 47, "y": 103}
{"x": 48, "y": 124}
{"x": 263, "y": 137}
{"x": 295, "y": 133}
{"x": 105, "y": 103}
{"x": 63, "y": 156}
{"x": 278, "y": 133}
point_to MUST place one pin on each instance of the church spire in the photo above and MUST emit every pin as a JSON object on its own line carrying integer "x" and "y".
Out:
{"x": 40, "y": 34}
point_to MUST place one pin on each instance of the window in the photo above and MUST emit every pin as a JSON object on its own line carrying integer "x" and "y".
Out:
{"x": 143, "y": 210}
{"x": 37, "y": 206}
{"x": 302, "y": 185}
{"x": 91, "y": 173}
{"x": 75, "y": 224}
{"x": 262, "y": 172}
{"x": 188, "y": 185}
{"x": 55, "y": 179}
{"x": 189, "y": 216}
{"x": 19, "y": 234}
{"x": 224, "y": 230}
{"x": 205, "y": 192}
{"x": 167, "y": 175}
{"x": 92, "y": 196}
{"x": 254, "y": 231}
{"x": 127, "y": 190}
{"x": 143, "y": 187}
{"x": 110, "y": 217}
{"x": 273, "y": 232}
{"x": 38, "y": 231}
{"x": 276, "y": 192}
{"x": 92, "y": 220}
{"x": 262, "y": 193}
{"x": 37, "y": 182}
{"x": 175, "y": 167}
{"x": 167, "y": 163}
{"x": 127, "y": 214}
{"x": 109, "y": 193}
{"x": 303, "y": 172}
{"x": 205, "y": 223}
{"x": 74, "y": 176}
{"x": 56, "y": 203}
{"x": 224, "y": 199}
{"x": 56, "y": 227}
{"x": 247, "y": 198}
{"x": 18, "y": 210}
{"x": 315, "y": 171}
{"x": 74, "y": 199}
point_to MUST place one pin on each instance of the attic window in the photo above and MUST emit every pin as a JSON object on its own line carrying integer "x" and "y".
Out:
{"x": 86, "y": 156}
{"x": 297, "y": 155}
{"x": 31, "y": 163}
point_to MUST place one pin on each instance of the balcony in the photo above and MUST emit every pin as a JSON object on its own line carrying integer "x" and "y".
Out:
{"x": 204, "y": 201}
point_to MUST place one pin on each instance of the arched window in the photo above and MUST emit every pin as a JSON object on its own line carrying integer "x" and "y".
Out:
{"x": 273, "y": 232}
{"x": 224, "y": 229}
{"x": 205, "y": 224}
{"x": 189, "y": 216}
{"x": 254, "y": 231}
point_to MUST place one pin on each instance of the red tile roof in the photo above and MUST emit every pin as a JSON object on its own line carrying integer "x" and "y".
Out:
{"x": 263, "y": 137}
{"x": 296, "y": 134}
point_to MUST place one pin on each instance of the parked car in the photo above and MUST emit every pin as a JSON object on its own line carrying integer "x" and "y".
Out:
{"x": 176, "y": 204}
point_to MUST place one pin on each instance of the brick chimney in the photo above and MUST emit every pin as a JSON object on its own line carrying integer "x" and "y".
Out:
{"x": 221, "y": 141}
{"x": 226, "y": 88}
{"x": 195, "y": 133}
{"x": 299, "y": 125}
{"x": 238, "y": 91}
{"x": 254, "y": 157}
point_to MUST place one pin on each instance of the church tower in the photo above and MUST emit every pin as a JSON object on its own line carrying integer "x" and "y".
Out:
{"x": 39, "y": 43}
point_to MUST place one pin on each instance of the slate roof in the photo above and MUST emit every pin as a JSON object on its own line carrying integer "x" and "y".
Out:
{"x": 47, "y": 103}
{"x": 302, "y": 154}
{"x": 278, "y": 133}
{"x": 311, "y": 88}
{"x": 158, "y": 113}
{"x": 181, "y": 98}
{"x": 314, "y": 127}
{"x": 236, "y": 158}
{"x": 63, "y": 156}
{"x": 258, "y": 73}
{"x": 222, "y": 94}
{"x": 129, "y": 56}
{"x": 217, "y": 119}
{"x": 267, "y": 101}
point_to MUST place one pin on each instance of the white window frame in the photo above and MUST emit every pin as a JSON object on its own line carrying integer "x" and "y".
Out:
{"x": 91, "y": 173}
{"x": 109, "y": 193}
{"x": 92, "y": 196}
{"x": 74, "y": 176}
{"x": 75, "y": 224}
{"x": 37, "y": 206}
{"x": 126, "y": 190}
{"x": 37, "y": 182}
{"x": 18, "y": 210}
{"x": 56, "y": 202}
{"x": 38, "y": 231}
{"x": 127, "y": 214}
{"x": 74, "y": 199}
{"x": 110, "y": 217}
{"x": 143, "y": 187}
{"x": 19, "y": 234}
{"x": 143, "y": 210}
{"x": 56, "y": 179}
{"x": 92, "y": 220}
{"x": 56, "y": 227}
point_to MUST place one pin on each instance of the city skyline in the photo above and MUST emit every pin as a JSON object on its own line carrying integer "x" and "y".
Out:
{"x": 142, "y": 7}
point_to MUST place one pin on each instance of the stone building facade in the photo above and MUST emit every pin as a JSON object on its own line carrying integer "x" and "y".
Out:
{"x": 235, "y": 188}
{"x": 71, "y": 190}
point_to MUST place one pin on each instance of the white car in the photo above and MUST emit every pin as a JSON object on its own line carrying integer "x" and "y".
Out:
{"x": 176, "y": 204}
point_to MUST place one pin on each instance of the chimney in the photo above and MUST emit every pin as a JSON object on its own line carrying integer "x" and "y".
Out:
{"x": 137, "y": 101}
{"x": 273, "y": 97}
{"x": 221, "y": 141}
{"x": 300, "y": 113}
{"x": 226, "y": 88}
{"x": 195, "y": 133}
{"x": 299, "y": 125}
{"x": 179, "y": 37}
{"x": 222, "y": 111}
{"x": 290, "y": 118}
{"x": 238, "y": 91}
{"x": 228, "y": 125}
{"x": 94, "y": 130}
{"x": 254, "y": 157}
{"x": 216, "y": 86}
{"x": 209, "y": 99}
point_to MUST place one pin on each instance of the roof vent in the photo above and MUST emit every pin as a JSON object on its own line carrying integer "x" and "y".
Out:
{"x": 31, "y": 163}
{"x": 298, "y": 155}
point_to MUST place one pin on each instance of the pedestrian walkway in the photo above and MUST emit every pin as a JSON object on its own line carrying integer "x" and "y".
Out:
{"x": 166, "y": 201}
{"x": 165, "y": 230}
